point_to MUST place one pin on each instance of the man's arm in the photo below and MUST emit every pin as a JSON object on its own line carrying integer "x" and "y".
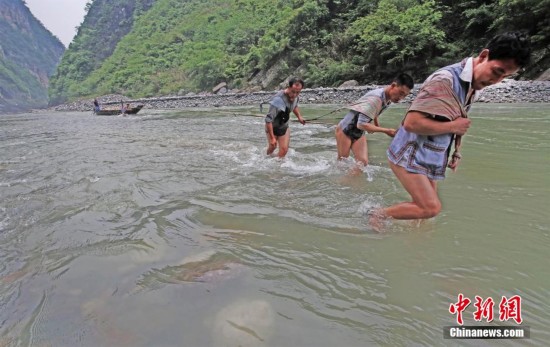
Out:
{"x": 270, "y": 134}
{"x": 296, "y": 111}
{"x": 270, "y": 116}
{"x": 376, "y": 128}
{"x": 423, "y": 124}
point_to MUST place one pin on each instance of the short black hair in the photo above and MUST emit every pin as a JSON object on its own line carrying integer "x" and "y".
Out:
{"x": 295, "y": 80}
{"x": 514, "y": 45}
{"x": 404, "y": 79}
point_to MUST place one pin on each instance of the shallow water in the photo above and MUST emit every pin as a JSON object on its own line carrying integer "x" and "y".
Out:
{"x": 172, "y": 228}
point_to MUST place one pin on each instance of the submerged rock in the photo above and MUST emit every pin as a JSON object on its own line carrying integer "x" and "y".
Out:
{"x": 206, "y": 267}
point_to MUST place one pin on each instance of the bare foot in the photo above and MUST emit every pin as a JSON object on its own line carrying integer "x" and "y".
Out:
{"x": 378, "y": 221}
{"x": 416, "y": 223}
{"x": 359, "y": 168}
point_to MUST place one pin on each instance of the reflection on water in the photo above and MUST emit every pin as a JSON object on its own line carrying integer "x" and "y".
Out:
{"x": 172, "y": 228}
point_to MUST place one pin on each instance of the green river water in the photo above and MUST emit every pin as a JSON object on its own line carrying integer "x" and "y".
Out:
{"x": 172, "y": 228}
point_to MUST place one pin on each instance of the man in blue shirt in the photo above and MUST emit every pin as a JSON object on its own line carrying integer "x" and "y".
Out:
{"x": 419, "y": 152}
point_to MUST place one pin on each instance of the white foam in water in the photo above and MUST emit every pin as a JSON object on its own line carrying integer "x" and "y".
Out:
{"x": 371, "y": 203}
{"x": 324, "y": 142}
{"x": 245, "y": 156}
{"x": 316, "y": 167}
{"x": 349, "y": 164}
{"x": 93, "y": 179}
{"x": 18, "y": 143}
{"x": 304, "y": 132}
{"x": 373, "y": 171}
{"x": 296, "y": 162}
{"x": 255, "y": 157}
{"x": 13, "y": 183}
{"x": 4, "y": 222}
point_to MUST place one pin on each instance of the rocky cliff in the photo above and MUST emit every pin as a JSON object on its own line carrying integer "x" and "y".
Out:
{"x": 29, "y": 54}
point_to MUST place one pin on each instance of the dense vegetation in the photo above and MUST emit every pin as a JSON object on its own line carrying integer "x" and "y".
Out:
{"x": 105, "y": 24}
{"x": 29, "y": 54}
{"x": 195, "y": 44}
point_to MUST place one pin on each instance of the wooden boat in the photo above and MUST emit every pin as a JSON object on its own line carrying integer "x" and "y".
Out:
{"x": 115, "y": 112}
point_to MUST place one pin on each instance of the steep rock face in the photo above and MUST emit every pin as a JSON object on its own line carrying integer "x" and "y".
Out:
{"x": 29, "y": 54}
{"x": 105, "y": 24}
{"x": 14, "y": 13}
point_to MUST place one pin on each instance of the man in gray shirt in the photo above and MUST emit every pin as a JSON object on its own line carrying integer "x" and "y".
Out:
{"x": 276, "y": 120}
{"x": 363, "y": 116}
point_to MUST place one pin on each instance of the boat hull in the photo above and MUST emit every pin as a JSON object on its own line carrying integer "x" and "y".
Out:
{"x": 133, "y": 110}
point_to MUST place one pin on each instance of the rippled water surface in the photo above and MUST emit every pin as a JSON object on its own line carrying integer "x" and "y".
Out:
{"x": 172, "y": 228}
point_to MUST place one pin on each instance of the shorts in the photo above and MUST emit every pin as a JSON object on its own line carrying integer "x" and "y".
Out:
{"x": 279, "y": 131}
{"x": 353, "y": 132}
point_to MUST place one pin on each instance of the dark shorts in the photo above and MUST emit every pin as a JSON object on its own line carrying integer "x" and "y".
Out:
{"x": 279, "y": 131}
{"x": 353, "y": 132}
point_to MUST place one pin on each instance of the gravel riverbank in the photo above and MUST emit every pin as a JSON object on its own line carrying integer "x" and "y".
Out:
{"x": 508, "y": 91}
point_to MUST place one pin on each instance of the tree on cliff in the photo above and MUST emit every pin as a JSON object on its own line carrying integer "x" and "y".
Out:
{"x": 155, "y": 47}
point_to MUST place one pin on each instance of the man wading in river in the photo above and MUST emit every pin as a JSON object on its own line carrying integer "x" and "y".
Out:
{"x": 418, "y": 154}
{"x": 276, "y": 120}
{"x": 363, "y": 116}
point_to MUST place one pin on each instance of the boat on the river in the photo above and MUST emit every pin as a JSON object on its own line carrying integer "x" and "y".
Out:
{"x": 115, "y": 112}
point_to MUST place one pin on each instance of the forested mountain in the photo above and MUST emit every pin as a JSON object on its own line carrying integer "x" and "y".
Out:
{"x": 105, "y": 24}
{"x": 155, "y": 47}
{"x": 29, "y": 54}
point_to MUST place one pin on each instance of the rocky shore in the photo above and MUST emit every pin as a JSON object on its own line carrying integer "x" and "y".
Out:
{"x": 508, "y": 91}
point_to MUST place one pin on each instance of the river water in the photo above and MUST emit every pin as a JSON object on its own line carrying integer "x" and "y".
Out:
{"x": 172, "y": 228}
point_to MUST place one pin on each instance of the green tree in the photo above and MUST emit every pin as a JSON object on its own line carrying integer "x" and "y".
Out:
{"x": 169, "y": 45}
{"x": 533, "y": 17}
{"x": 400, "y": 35}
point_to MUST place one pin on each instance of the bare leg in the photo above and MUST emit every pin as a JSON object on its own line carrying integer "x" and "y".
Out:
{"x": 284, "y": 142}
{"x": 425, "y": 202}
{"x": 360, "y": 150}
{"x": 270, "y": 148}
{"x": 343, "y": 143}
